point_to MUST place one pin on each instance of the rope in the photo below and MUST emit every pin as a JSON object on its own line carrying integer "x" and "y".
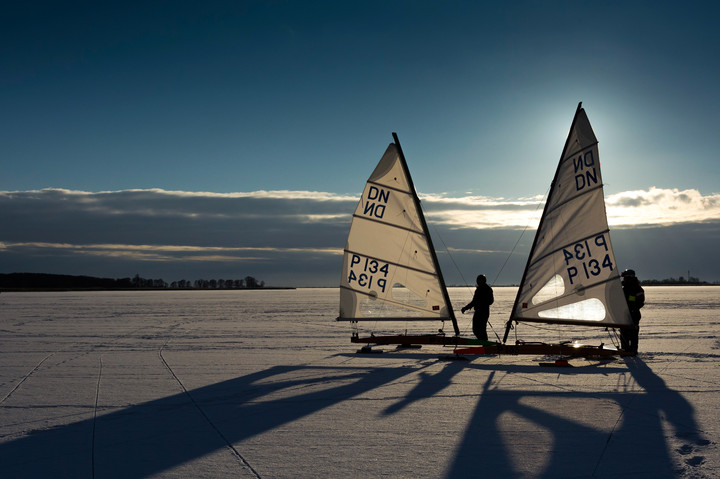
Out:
{"x": 494, "y": 332}
{"x": 527, "y": 225}
{"x": 614, "y": 337}
{"x": 466, "y": 285}
{"x": 447, "y": 250}
{"x": 452, "y": 258}
{"x": 502, "y": 268}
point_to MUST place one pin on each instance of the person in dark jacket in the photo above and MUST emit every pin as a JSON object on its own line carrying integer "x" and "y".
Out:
{"x": 635, "y": 297}
{"x": 482, "y": 299}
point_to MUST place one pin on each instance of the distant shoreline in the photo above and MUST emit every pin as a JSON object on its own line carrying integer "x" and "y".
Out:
{"x": 63, "y": 282}
{"x": 42, "y": 282}
{"x": 266, "y": 288}
{"x": 125, "y": 290}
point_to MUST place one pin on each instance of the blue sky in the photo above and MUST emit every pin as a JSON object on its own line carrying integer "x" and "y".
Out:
{"x": 248, "y": 97}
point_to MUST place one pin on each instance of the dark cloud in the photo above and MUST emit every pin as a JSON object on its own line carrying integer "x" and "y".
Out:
{"x": 289, "y": 238}
{"x": 175, "y": 235}
{"x": 161, "y": 218}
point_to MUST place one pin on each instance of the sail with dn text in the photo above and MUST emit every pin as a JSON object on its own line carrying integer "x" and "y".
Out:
{"x": 390, "y": 271}
{"x": 571, "y": 275}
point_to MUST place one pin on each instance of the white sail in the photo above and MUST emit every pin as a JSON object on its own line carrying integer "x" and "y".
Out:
{"x": 571, "y": 275}
{"x": 390, "y": 270}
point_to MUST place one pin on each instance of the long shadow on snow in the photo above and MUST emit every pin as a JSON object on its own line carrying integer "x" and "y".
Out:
{"x": 511, "y": 427}
{"x": 156, "y": 436}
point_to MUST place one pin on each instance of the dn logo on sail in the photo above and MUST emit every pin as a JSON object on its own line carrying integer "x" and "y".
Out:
{"x": 588, "y": 174}
{"x": 377, "y": 198}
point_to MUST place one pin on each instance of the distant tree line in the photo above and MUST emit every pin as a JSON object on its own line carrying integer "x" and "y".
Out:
{"x": 246, "y": 283}
{"x": 681, "y": 281}
{"x": 39, "y": 281}
{"x": 57, "y": 281}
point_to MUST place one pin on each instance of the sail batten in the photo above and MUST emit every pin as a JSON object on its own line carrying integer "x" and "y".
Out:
{"x": 587, "y": 147}
{"x": 569, "y": 294}
{"x": 428, "y": 272}
{"x": 560, "y": 248}
{"x": 389, "y": 225}
{"x": 390, "y": 270}
{"x": 574, "y": 198}
{"x": 404, "y": 192}
{"x": 401, "y": 304}
{"x": 571, "y": 276}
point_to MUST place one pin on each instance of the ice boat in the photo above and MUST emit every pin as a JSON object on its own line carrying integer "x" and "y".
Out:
{"x": 571, "y": 276}
{"x": 390, "y": 270}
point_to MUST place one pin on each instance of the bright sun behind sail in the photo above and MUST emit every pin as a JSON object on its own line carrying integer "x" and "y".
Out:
{"x": 571, "y": 275}
{"x": 390, "y": 271}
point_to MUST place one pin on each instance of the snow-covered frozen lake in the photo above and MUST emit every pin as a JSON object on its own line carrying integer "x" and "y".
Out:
{"x": 266, "y": 384}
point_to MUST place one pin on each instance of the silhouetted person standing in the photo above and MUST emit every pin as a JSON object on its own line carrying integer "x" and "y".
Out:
{"x": 482, "y": 299}
{"x": 635, "y": 297}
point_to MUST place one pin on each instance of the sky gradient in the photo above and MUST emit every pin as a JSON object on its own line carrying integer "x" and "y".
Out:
{"x": 136, "y": 137}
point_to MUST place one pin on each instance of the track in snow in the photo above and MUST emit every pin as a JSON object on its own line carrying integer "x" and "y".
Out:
{"x": 234, "y": 451}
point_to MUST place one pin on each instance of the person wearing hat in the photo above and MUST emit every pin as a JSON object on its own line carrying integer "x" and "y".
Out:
{"x": 635, "y": 297}
{"x": 482, "y": 299}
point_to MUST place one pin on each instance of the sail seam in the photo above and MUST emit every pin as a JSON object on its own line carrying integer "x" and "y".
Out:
{"x": 607, "y": 230}
{"x": 388, "y": 224}
{"x": 417, "y": 270}
{"x": 576, "y": 322}
{"x": 394, "y": 188}
{"x": 393, "y": 301}
{"x": 570, "y": 155}
{"x": 573, "y": 292}
{"x": 587, "y": 191}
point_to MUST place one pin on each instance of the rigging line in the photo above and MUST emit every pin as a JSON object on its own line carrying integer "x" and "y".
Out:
{"x": 452, "y": 258}
{"x": 97, "y": 396}
{"x": 462, "y": 277}
{"x": 614, "y": 337}
{"x": 527, "y": 225}
{"x": 495, "y": 332}
{"x": 229, "y": 444}
{"x": 447, "y": 250}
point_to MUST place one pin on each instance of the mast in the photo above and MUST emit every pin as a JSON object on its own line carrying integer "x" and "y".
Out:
{"x": 416, "y": 200}
{"x": 508, "y": 325}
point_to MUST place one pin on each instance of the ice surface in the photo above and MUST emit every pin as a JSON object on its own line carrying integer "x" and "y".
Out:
{"x": 266, "y": 384}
